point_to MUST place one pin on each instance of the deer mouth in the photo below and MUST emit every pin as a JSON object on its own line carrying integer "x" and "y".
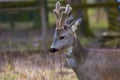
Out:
{"x": 53, "y": 50}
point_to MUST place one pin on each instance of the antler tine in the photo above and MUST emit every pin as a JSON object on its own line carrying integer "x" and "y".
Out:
{"x": 64, "y": 14}
{"x": 56, "y": 11}
{"x": 68, "y": 9}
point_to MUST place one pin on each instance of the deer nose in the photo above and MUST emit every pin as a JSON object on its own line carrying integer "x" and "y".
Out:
{"x": 53, "y": 50}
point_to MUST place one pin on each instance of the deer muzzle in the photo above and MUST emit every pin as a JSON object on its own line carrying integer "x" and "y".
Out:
{"x": 53, "y": 50}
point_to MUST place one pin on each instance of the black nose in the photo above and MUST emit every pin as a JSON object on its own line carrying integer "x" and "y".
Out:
{"x": 53, "y": 50}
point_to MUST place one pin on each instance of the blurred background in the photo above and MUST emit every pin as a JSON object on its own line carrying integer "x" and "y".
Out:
{"x": 26, "y": 33}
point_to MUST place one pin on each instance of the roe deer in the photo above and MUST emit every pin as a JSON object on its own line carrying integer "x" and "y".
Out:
{"x": 88, "y": 64}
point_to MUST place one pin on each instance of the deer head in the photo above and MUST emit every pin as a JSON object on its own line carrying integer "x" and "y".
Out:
{"x": 66, "y": 25}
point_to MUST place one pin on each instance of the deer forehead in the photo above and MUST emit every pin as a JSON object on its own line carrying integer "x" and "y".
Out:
{"x": 61, "y": 32}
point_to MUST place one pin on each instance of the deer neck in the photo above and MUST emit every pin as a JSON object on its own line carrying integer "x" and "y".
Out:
{"x": 76, "y": 54}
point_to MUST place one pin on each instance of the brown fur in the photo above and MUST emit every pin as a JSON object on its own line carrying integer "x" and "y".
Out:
{"x": 96, "y": 64}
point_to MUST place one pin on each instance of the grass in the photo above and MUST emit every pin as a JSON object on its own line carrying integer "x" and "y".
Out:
{"x": 34, "y": 67}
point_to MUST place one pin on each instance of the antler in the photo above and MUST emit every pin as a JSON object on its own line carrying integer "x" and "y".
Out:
{"x": 61, "y": 13}
{"x": 64, "y": 15}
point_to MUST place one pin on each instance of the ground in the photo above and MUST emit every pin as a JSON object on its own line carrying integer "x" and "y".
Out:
{"x": 28, "y": 66}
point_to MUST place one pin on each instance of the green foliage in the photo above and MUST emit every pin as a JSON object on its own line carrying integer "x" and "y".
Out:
{"x": 97, "y": 20}
{"x": 51, "y": 18}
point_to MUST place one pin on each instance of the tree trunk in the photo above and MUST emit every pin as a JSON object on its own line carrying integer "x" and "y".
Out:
{"x": 44, "y": 25}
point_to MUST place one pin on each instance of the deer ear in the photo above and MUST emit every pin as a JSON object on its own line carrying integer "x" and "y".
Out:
{"x": 76, "y": 24}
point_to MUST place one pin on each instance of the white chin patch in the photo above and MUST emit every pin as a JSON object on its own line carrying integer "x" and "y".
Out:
{"x": 70, "y": 60}
{"x": 68, "y": 51}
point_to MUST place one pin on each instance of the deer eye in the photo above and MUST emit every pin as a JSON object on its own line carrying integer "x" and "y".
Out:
{"x": 62, "y": 37}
